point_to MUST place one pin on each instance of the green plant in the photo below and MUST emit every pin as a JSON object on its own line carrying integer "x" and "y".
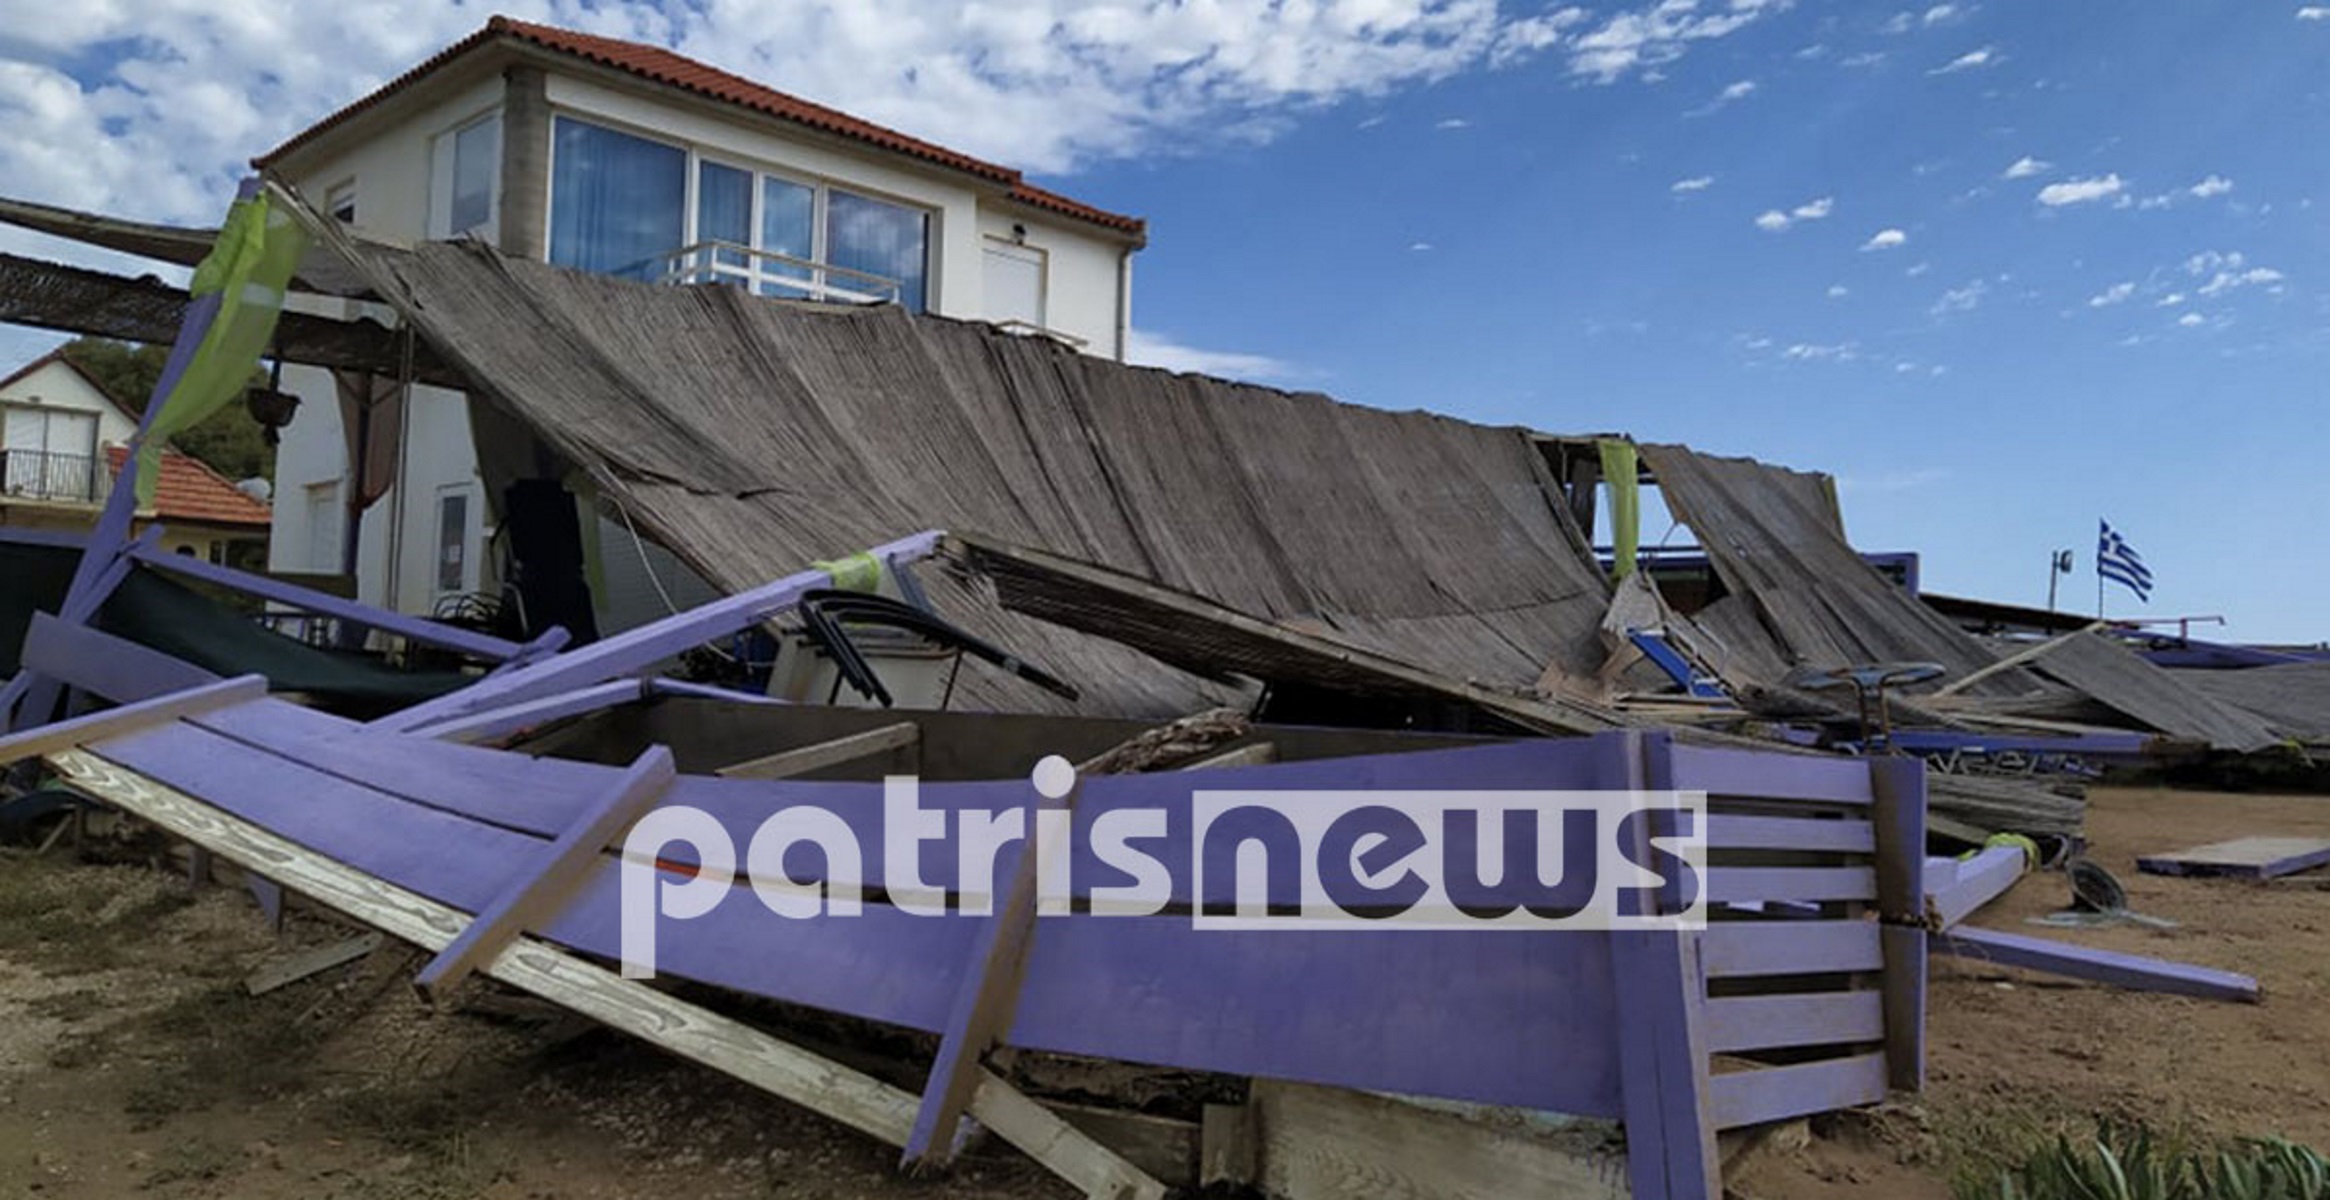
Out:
{"x": 2127, "y": 1162}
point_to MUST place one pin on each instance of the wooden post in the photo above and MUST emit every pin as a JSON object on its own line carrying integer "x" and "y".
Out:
{"x": 534, "y": 897}
{"x": 64, "y": 735}
{"x": 1897, "y": 792}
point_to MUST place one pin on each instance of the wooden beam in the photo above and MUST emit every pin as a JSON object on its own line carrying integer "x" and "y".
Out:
{"x": 501, "y": 722}
{"x": 113, "y": 722}
{"x": 801, "y": 760}
{"x": 1226, "y": 1145}
{"x": 2011, "y": 661}
{"x": 101, "y": 664}
{"x": 637, "y": 649}
{"x": 413, "y": 629}
{"x": 1320, "y": 1143}
{"x": 725, "y": 1045}
{"x": 533, "y": 898}
{"x": 1897, "y": 788}
{"x": 1979, "y": 880}
{"x": 285, "y": 971}
{"x": 1064, "y": 1150}
{"x": 2132, "y": 971}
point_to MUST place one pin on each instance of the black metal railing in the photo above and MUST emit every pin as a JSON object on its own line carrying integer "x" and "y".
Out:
{"x": 46, "y": 475}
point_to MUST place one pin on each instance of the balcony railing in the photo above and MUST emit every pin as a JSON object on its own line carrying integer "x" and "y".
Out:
{"x": 766, "y": 273}
{"x": 45, "y": 475}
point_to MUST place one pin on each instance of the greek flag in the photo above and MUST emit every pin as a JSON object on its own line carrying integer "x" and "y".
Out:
{"x": 2117, "y": 561}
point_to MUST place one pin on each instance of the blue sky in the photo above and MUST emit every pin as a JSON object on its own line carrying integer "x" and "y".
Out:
{"x": 2001, "y": 268}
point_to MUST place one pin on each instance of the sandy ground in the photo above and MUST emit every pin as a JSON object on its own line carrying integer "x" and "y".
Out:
{"x": 133, "y": 1062}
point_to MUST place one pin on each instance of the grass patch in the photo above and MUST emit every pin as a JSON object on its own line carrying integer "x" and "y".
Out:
{"x": 2129, "y": 1161}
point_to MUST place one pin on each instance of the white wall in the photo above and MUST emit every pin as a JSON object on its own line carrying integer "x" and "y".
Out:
{"x": 391, "y": 170}
{"x": 1080, "y": 281}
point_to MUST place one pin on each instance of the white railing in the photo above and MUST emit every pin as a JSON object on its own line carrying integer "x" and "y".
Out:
{"x": 766, "y": 273}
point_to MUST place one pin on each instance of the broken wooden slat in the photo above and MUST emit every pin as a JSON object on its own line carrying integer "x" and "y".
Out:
{"x": 101, "y": 664}
{"x": 2132, "y": 971}
{"x": 1319, "y": 1143}
{"x": 2011, "y": 661}
{"x": 1226, "y": 1145}
{"x": 1164, "y": 1148}
{"x": 2249, "y": 858}
{"x": 500, "y": 722}
{"x": 534, "y": 897}
{"x": 1063, "y": 1149}
{"x": 1746, "y": 884}
{"x": 285, "y": 971}
{"x": 801, "y": 760}
{"x": 1729, "y": 832}
{"x": 113, "y": 722}
{"x": 1980, "y": 880}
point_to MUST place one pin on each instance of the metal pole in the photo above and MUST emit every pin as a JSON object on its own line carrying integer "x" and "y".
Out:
{"x": 2054, "y": 576}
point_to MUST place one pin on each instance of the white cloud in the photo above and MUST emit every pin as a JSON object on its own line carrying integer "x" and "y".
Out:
{"x": 150, "y": 110}
{"x": 1813, "y": 210}
{"x": 2025, "y": 166}
{"x": 1149, "y": 348}
{"x": 2214, "y": 185}
{"x": 2171, "y": 300}
{"x": 2189, "y": 320}
{"x": 1419, "y": 247}
{"x": 1772, "y": 221}
{"x": 1900, "y": 23}
{"x": 1658, "y": 34}
{"x": 1965, "y": 299}
{"x": 1810, "y": 352}
{"x": 1940, "y": 13}
{"x": 1452, "y": 123}
{"x": 1969, "y": 61}
{"x": 1886, "y": 239}
{"x": 2115, "y": 294}
{"x": 1918, "y": 270}
{"x": 2314, "y": 12}
{"x": 1838, "y": 291}
{"x": 1697, "y": 183}
{"x": 2080, "y": 191}
{"x": 1866, "y": 58}
{"x": 2227, "y": 280}
{"x": 1739, "y": 91}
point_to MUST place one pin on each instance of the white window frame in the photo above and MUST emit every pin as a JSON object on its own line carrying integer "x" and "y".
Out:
{"x": 343, "y": 192}
{"x": 1012, "y": 247}
{"x": 444, "y": 148}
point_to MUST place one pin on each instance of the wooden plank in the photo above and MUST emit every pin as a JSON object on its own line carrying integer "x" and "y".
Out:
{"x": 2131, "y": 971}
{"x": 1162, "y": 1148}
{"x": 635, "y": 650}
{"x": 1776, "y": 1093}
{"x": 413, "y": 629}
{"x": 1318, "y": 1143}
{"x": 2248, "y": 857}
{"x": 2011, "y": 661}
{"x": 1810, "y": 1019}
{"x": 501, "y": 722}
{"x": 286, "y": 971}
{"x": 1750, "y": 948}
{"x": 1907, "y": 961}
{"x": 1729, "y": 832}
{"x": 1227, "y": 1145}
{"x": 702, "y": 1036}
{"x": 101, "y": 664}
{"x": 113, "y": 722}
{"x": 1735, "y": 884}
{"x": 1764, "y": 773}
{"x": 1243, "y": 756}
{"x": 1063, "y": 1149}
{"x": 801, "y": 760}
{"x": 533, "y": 898}
{"x": 1978, "y": 881}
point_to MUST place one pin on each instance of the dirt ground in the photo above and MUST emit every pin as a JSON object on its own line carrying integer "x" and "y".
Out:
{"x": 132, "y": 1060}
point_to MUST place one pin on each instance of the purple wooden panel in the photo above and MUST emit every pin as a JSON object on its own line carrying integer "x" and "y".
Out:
{"x": 884, "y": 965}
{"x": 1776, "y": 1093}
{"x": 1782, "y": 776}
{"x": 1728, "y": 832}
{"x": 1520, "y": 1019}
{"x": 1979, "y": 880}
{"x": 498, "y": 722}
{"x": 1790, "y": 883}
{"x": 104, "y": 665}
{"x": 2132, "y": 971}
{"x": 1745, "y": 948}
{"x": 1810, "y": 1019}
{"x": 426, "y": 632}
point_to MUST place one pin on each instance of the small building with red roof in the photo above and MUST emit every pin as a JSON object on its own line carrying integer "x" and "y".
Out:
{"x": 64, "y": 439}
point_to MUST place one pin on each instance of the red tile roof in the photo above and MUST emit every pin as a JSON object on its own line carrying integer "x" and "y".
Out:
{"x": 189, "y": 490}
{"x": 658, "y": 65}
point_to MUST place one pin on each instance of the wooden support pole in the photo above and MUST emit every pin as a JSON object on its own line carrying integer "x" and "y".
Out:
{"x": 2011, "y": 661}
{"x": 2132, "y": 971}
{"x": 1066, "y": 1151}
{"x": 801, "y": 760}
{"x": 113, "y": 722}
{"x": 534, "y": 897}
{"x": 286, "y": 971}
{"x": 1898, "y": 802}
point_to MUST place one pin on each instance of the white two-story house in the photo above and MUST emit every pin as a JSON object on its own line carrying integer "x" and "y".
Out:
{"x": 628, "y": 159}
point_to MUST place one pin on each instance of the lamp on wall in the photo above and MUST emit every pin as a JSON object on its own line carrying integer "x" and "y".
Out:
{"x": 1019, "y": 234}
